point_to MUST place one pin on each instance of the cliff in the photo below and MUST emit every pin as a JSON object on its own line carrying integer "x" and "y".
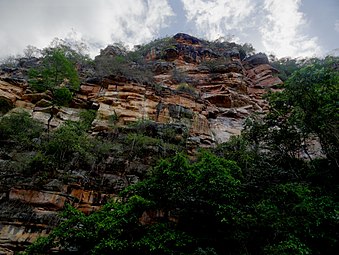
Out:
{"x": 203, "y": 99}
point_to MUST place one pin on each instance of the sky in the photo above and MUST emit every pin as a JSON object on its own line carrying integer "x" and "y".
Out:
{"x": 285, "y": 28}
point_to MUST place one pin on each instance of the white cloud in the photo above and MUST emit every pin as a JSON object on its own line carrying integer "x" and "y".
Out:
{"x": 216, "y": 18}
{"x": 132, "y": 21}
{"x": 274, "y": 26}
{"x": 282, "y": 30}
{"x": 101, "y": 22}
{"x": 336, "y": 25}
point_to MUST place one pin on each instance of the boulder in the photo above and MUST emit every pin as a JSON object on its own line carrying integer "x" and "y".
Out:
{"x": 257, "y": 59}
{"x": 185, "y": 38}
{"x": 112, "y": 51}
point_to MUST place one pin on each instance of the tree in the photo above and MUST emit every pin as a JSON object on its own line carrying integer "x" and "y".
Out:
{"x": 307, "y": 109}
{"x": 313, "y": 96}
{"x": 202, "y": 207}
{"x": 285, "y": 66}
{"x": 245, "y": 50}
{"x": 56, "y": 74}
{"x": 31, "y": 52}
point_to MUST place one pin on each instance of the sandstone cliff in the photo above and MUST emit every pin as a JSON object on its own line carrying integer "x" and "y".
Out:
{"x": 193, "y": 91}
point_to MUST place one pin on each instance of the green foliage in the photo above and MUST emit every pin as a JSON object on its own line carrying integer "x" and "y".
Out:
{"x": 122, "y": 66}
{"x": 70, "y": 143}
{"x": 313, "y": 96}
{"x": 239, "y": 149}
{"x": 186, "y": 88}
{"x": 5, "y": 106}
{"x": 113, "y": 118}
{"x": 225, "y": 45}
{"x": 157, "y": 44}
{"x": 294, "y": 212}
{"x": 200, "y": 195}
{"x": 56, "y": 74}
{"x": 170, "y": 135}
{"x": 149, "y": 138}
{"x": 62, "y": 96}
{"x": 143, "y": 145}
{"x": 255, "y": 195}
{"x": 67, "y": 140}
{"x": 75, "y": 50}
{"x": 19, "y": 128}
{"x": 87, "y": 117}
{"x": 290, "y": 246}
{"x": 114, "y": 229}
{"x": 203, "y": 207}
{"x": 285, "y": 66}
{"x": 307, "y": 109}
{"x": 203, "y": 188}
{"x": 246, "y": 50}
{"x": 216, "y": 65}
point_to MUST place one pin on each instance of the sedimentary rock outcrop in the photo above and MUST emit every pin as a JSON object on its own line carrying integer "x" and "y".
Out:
{"x": 209, "y": 102}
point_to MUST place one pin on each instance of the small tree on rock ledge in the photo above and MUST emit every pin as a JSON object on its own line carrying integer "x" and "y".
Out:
{"x": 56, "y": 74}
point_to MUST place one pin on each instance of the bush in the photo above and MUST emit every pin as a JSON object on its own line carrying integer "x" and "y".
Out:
{"x": 157, "y": 44}
{"x": 20, "y": 128}
{"x": 70, "y": 144}
{"x": 62, "y": 96}
{"x": 216, "y": 65}
{"x": 5, "y": 106}
{"x": 121, "y": 66}
{"x": 9, "y": 61}
{"x": 186, "y": 88}
{"x": 86, "y": 118}
{"x": 141, "y": 144}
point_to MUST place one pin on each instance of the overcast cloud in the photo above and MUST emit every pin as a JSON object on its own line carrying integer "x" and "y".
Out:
{"x": 283, "y": 27}
{"x": 98, "y": 22}
{"x": 282, "y": 30}
{"x": 336, "y": 26}
{"x": 216, "y": 18}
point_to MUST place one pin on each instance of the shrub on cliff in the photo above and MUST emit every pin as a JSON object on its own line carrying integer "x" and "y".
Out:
{"x": 5, "y": 106}
{"x": 186, "y": 88}
{"x": 71, "y": 145}
{"x": 122, "y": 67}
{"x": 158, "y": 45}
{"x": 19, "y": 128}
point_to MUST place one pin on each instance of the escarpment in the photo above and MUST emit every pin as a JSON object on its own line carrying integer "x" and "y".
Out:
{"x": 195, "y": 95}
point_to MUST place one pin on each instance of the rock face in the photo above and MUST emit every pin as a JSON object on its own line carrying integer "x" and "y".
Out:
{"x": 210, "y": 102}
